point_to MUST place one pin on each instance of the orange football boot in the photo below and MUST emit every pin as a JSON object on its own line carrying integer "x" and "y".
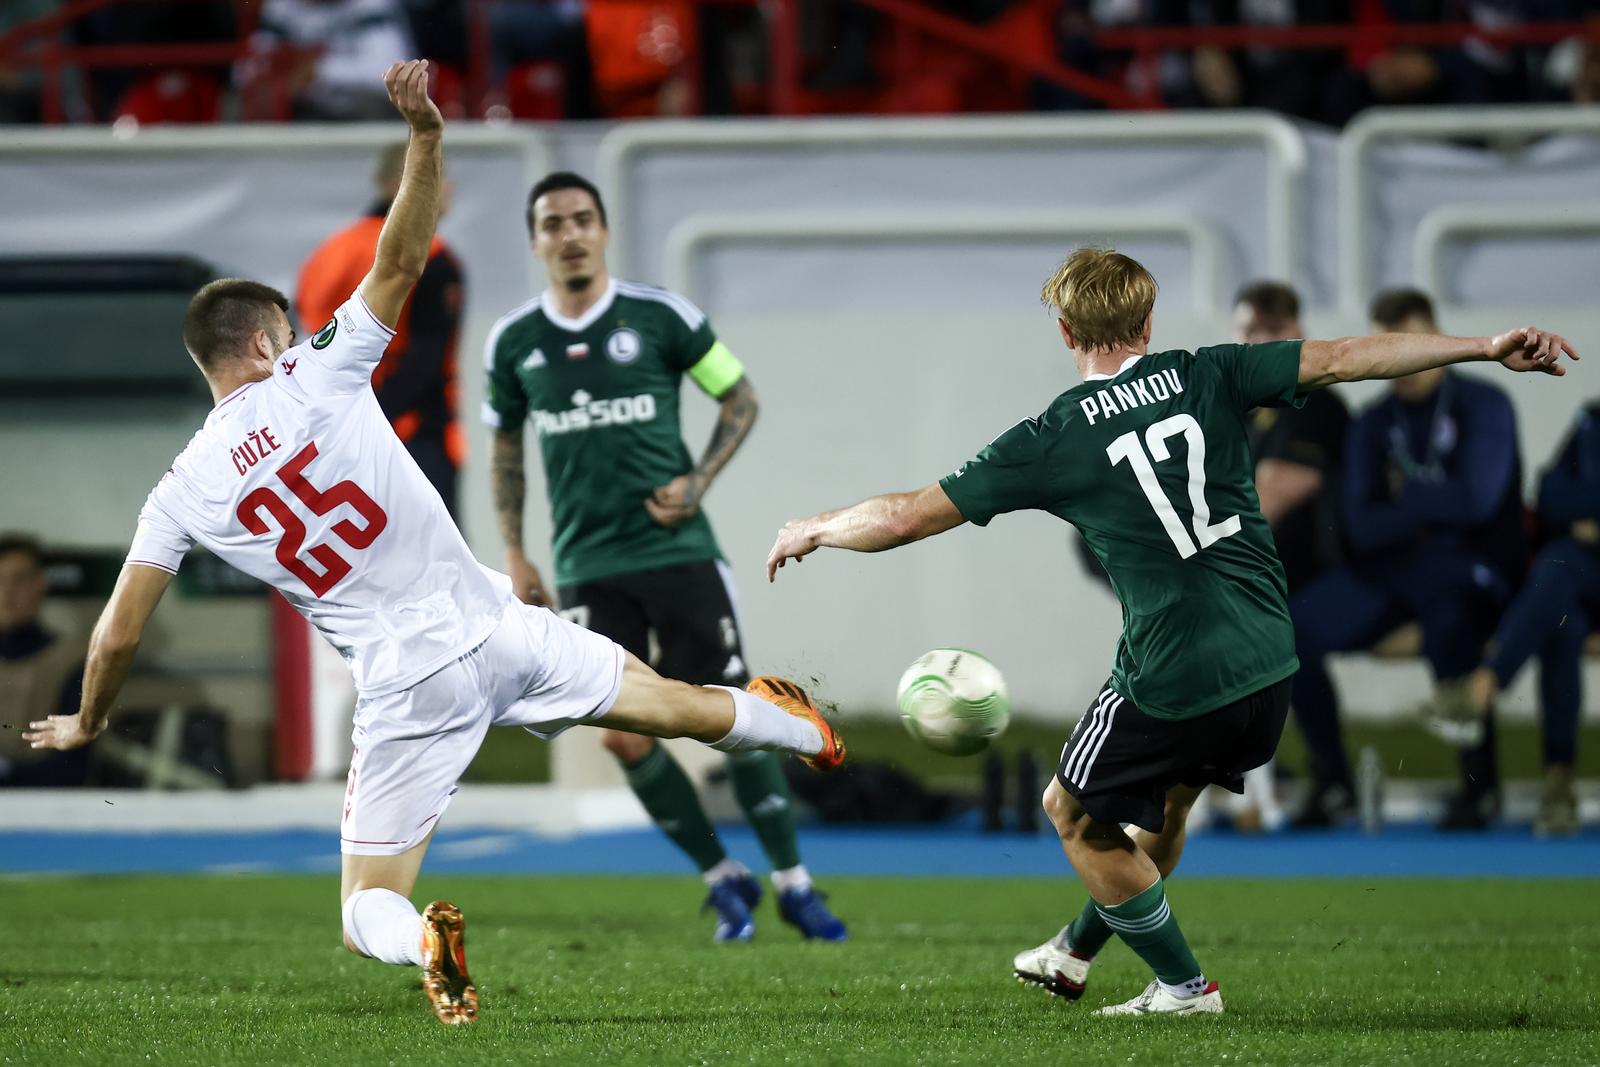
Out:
{"x": 792, "y": 699}
{"x": 444, "y": 964}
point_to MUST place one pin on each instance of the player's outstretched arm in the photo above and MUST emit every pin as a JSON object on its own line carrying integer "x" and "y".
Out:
{"x": 883, "y": 522}
{"x": 116, "y": 638}
{"x": 407, "y": 234}
{"x": 1395, "y": 355}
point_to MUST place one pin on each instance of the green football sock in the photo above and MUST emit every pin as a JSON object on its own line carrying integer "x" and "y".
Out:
{"x": 759, "y": 785}
{"x": 1088, "y": 933}
{"x": 1146, "y": 923}
{"x": 668, "y": 795}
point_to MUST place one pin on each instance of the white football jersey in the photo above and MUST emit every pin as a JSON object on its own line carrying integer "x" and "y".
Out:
{"x": 299, "y": 481}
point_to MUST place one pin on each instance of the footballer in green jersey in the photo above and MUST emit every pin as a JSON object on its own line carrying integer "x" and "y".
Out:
{"x": 1149, "y": 458}
{"x": 595, "y": 366}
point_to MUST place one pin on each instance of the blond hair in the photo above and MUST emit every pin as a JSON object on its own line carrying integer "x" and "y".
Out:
{"x": 1103, "y": 296}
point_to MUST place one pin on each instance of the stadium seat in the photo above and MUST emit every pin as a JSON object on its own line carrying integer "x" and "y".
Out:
{"x": 536, "y": 91}
{"x": 449, "y": 89}
{"x": 171, "y": 96}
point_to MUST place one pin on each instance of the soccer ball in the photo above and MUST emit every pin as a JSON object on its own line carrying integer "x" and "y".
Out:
{"x": 954, "y": 701}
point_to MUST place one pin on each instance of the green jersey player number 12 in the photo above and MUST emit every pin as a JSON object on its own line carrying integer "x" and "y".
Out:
{"x": 1156, "y": 436}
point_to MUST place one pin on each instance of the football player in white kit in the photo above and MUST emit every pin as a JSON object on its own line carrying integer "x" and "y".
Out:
{"x": 297, "y": 479}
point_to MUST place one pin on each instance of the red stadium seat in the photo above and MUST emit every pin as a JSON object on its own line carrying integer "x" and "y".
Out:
{"x": 448, "y": 88}
{"x": 536, "y": 91}
{"x": 172, "y": 96}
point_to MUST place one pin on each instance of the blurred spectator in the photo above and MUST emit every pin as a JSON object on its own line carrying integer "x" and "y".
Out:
{"x": 1574, "y": 70}
{"x": 1299, "y": 451}
{"x": 356, "y": 42}
{"x": 1166, "y": 74}
{"x": 1481, "y": 72}
{"x": 545, "y": 31}
{"x": 1552, "y": 615}
{"x": 1292, "y": 81}
{"x": 1433, "y": 510}
{"x": 40, "y": 674}
{"x": 1477, "y": 71}
{"x": 440, "y": 29}
{"x": 416, "y": 380}
{"x": 19, "y": 85}
{"x": 639, "y": 49}
{"x": 1586, "y": 83}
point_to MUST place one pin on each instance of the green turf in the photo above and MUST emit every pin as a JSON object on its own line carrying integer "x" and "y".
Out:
{"x": 246, "y": 970}
{"x": 1408, "y": 751}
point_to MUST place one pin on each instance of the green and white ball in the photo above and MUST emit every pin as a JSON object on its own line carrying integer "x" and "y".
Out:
{"x": 954, "y": 701}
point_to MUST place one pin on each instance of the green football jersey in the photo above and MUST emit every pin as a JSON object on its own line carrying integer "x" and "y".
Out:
{"x": 1153, "y": 467}
{"x": 602, "y": 393}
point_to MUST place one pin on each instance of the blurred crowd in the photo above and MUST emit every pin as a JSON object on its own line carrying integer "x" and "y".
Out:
{"x": 1321, "y": 60}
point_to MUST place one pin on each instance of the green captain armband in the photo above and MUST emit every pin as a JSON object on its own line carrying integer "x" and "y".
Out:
{"x": 717, "y": 371}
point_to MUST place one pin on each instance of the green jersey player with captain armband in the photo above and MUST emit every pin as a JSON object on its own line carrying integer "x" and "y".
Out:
{"x": 595, "y": 365}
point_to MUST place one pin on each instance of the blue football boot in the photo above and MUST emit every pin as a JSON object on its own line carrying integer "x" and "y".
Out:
{"x": 806, "y": 911}
{"x": 732, "y": 899}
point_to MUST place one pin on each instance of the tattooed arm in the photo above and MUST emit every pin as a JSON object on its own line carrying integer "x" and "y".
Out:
{"x": 510, "y": 484}
{"x": 679, "y": 500}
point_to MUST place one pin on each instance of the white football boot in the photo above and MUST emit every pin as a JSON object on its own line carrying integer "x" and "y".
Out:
{"x": 1157, "y": 1001}
{"x": 1054, "y": 967}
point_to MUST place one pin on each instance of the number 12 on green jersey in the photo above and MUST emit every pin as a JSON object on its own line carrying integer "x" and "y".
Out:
{"x": 1127, "y": 447}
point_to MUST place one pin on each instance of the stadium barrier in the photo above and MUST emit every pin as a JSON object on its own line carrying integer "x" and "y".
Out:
{"x": 910, "y": 148}
{"x": 691, "y": 238}
{"x": 624, "y": 146}
{"x": 1371, "y": 128}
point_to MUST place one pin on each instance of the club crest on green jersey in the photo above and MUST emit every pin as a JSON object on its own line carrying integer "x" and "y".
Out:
{"x": 624, "y": 345}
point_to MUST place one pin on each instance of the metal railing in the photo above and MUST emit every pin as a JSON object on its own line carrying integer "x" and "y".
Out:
{"x": 1355, "y": 199}
{"x": 687, "y": 241}
{"x": 1444, "y": 224}
{"x": 622, "y": 148}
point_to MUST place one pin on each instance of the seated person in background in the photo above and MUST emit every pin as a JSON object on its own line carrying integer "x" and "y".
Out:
{"x": 1552, "y": 615}
{"x": 358, "y": 41}
{"x": 1298, "y": 452}
{"x": 1433, "y": 510}
{"x": 1163, "y": 74}
{"x": 40, "y": 674}
{"x": 1291, "y": 81}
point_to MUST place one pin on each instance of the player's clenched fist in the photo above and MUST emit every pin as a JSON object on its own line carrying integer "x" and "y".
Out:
{"x": 408, "y": 91}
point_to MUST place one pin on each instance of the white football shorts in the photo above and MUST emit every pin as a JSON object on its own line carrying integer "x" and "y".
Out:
{"x": 536, "y": 670}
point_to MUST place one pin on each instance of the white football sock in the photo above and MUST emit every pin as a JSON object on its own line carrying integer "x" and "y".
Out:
{"x": 727, "y": 868}
{"x": 757, "y": 724}
{"x": 796, "y": 877}
{"x": 384, "y": 925}
{"x": 1184, "y": 990}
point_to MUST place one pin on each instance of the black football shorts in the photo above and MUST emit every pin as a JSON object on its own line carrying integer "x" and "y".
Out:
{"x": 1120, "y": 762}
{"x": 688, "y": 607}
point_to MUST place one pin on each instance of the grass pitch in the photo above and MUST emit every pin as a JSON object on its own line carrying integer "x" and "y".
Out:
{"x": 247, "y": 970}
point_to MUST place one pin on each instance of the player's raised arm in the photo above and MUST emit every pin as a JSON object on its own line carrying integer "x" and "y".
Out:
{"x": 116, "y": 638}
{"x": 874, "y": 525}
{"x": 407, "y": 233}
{"x": 1395, "y": 355}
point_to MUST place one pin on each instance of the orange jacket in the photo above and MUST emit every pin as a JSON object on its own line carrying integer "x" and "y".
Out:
{"x": 416, "y": 379}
